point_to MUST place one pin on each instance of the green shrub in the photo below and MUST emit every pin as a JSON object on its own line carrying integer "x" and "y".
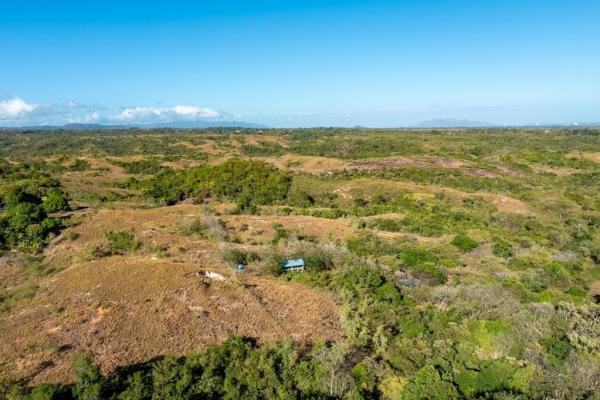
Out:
{"x": 534, "y": 281}
{"x": 55, "y": 201}
{"x": 577, "y": 291}
{"x": 502, "y": 248}
{"x": 272, "y": 262}
{"x": 557, "y": 349}
{"x": 493, "y": 376}
{"x": 428, "y": 385}
{"x": 119, "y": 243}
{"x": 423, "y": 261}
{"x": 147, "y": 167}
{"x": 234, "y": 256}
{"x": 196, "y": 228}
{"x": 248, "y": 183}
{"x": 317, "y": 259}
{"x": 280, "y": 233}
{"x": 464, "y": 242}
{"x": 88, "y": 381}
{"x": 368, "y": 244}
{"x": 79, "y": 165}
{"x": 386, "y": 224}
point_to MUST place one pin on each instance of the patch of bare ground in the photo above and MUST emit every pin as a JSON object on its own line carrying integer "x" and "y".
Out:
{"x": 395, "y": 215}
{"x": 544, "y": 169}
{"x": 257, "y": 139}
{"x": 502, "y": 202}
{"x": 307, "y": 164}
{"x": 418, "y": 238}
{"x": 319, "y": 165}
{"x": 182, "y": 164}
{"x": 125, "y": 310}
{"x": 208, "y": 147}
{"x": 595, "y": 289}
{"x": 259, "y": 229}
{"x": 98, "y": 180}
{"x": 422, "y": 162}
{"x": 128, "y": 309}
{"x": 506, "y": 204}
{"x": 153, "y": 226}
{"x": 587, "y": 155}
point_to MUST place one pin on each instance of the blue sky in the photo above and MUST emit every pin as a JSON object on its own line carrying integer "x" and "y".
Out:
{"x": 300, "y": 63}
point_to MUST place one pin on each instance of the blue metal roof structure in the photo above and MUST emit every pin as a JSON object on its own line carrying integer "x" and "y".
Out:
{"x": 298, "y": 263}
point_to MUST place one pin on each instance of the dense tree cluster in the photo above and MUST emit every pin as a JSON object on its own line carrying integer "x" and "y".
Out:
{"x": 248, "y": 183}
{"x": 25, "y": 221}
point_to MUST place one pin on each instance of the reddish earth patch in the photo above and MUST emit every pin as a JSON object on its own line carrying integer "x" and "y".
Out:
{"x": 130, "y": 309}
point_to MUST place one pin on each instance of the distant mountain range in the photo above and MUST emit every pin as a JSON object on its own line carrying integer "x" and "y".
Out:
{"x": 453, "y": 123}
{"x": 202, "y": 124}
{"x": 467, "y": 123}
{"x": 197, "y": 124}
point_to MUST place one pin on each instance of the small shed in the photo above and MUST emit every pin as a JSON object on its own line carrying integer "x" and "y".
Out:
{"x": 293, "y": 265}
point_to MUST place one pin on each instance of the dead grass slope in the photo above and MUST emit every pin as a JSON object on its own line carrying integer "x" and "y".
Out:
{"x": 128, "y": 309}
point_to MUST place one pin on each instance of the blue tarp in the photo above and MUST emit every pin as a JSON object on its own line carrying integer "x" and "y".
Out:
{"x": 293, "y": 263}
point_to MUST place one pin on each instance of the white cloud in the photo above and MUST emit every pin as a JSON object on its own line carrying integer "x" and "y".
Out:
{"x": 85, "y": 119}
{"x": 147, "y": 114}
{"x": 14, "y": 111}
{"x": 15, "y": 108}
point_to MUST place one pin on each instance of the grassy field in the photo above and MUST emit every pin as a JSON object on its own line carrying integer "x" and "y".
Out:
{"x": 439, "y": 264}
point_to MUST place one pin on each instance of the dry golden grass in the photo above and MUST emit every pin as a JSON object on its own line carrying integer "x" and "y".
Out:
{"x": 128, "y": 309}
{"x": 259, "y": 229}
{"x": 320, "y": 165}
{"x": 558, "y": 171}
{"x": 588, "y": 155}
{"x": 366, "y": 186}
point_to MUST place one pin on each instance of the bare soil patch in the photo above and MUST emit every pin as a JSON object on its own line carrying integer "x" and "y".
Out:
{"x": 588, "y": 155}
{"x": 130, "y": 309}
{"x": 502, "y": 202}
{"x": 308, "y": 164}
{"x": 260, "y": 229}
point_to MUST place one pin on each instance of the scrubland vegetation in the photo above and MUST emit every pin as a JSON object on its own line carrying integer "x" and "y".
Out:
{"x": 462, "y": 263}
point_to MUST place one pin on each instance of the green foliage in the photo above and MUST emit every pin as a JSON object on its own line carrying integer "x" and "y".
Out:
{"x": 142, "y": 167}
{"x": 464, "y": 242}
{"x": 386, "y": 224}
{"x": 79, "y": 165}
{"x": 502, "y": 248}
{"x": 367, "y": 244}
{"x": 235, "y": 369}
{"x": 88, "y": 381}
{"x": 45, "y": 391}
{"x": 491, "y": 377}
{"x": 423, "y": 261}
{"x": 55, "y": 201}
{"x": 372, "y": 305}
{"x": 26, "y": 223}
{"x": 119, "y": 243}
{"x": 263, "y": 149}
{"x": 272, "y": 262}
{"x": 234, "y": 256}
{"x": 557, "y": 349}
{"x": 428, "y": 385}
{"x": 577, "y": 291}
{"x": 249, "y": 183}
{"x": 317, "y": 259}
{"x": 280, "y": 233}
